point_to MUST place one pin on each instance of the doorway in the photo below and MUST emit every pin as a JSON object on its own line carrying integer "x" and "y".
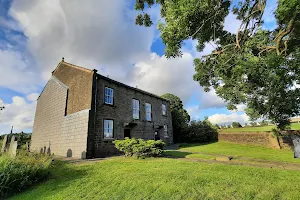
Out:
{"x": 127, "y": 133}
{"x": 156, "y": 136}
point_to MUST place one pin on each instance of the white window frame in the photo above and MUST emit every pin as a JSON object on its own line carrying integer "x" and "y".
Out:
{"x": 164, "y": 109}
{"x": 108, "y": 128}
{"x": 166, "y": 130}
{"x": 148, "y": 112}
{"x": 135, "y": 109}
{"x": 109, "y": 94}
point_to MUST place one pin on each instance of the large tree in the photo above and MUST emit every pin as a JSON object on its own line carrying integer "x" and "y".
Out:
{"x": 180, "y": 117}
{"x": 254, "y": 66}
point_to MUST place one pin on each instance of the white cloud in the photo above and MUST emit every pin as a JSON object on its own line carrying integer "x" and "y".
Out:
{"x": 194, "y": 112}
{"x": 16, "y": 73}
{"x": 239, "y": 108}
{"x": 160, "y": 75}
{"x": 95, "y": 34}
{"x": 19, "y": 114}
{"x": 228, "y": 118}
{"x": 33, "y": 96}
{"x": 210, "y": 100}
{"x": 231, "y": 24}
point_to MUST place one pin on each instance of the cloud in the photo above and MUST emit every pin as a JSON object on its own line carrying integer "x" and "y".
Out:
{"x": 239, "y": 108}
{"x": 231, "y": 24}
{"x": 33, "y": 96}
{"x": 19, "y": 114}
{"x": 94, "y": 34}
{"x": 194, "y": 112}
{"x": 160, "y": 75}
{"x": 228, "y": 118}
{"x": 210, "y": 100}
{"x": 17, "y": 73}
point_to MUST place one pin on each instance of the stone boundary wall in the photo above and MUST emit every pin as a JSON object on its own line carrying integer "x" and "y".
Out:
{"x": 55, "y": 133}
{"x": 260, "y": 138}
{"x": 256, "y": 138}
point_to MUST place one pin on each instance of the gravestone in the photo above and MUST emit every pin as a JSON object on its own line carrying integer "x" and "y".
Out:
{"x": 4, "y": 143}
{"x": 13, "y": 146}
{"x": 296, "y": 143}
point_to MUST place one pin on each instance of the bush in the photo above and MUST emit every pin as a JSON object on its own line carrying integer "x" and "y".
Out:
{"x": 236, "y": 125}
{"x": 140, "y": 148}
{"x": 201, "y": 132}
{"x": 22, "y": 171}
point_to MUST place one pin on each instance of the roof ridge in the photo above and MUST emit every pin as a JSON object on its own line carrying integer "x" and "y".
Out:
{"x": 72, "y": 65}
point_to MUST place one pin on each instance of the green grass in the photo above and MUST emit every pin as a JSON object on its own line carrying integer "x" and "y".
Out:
{"x": 294, "y": 126}
{"x": 180, "y": 154}
{"x": 244, "y": 150}
{"x": 164, "y": 178}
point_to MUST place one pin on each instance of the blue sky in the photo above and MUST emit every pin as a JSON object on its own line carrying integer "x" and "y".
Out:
{"x": 34, "y": 35}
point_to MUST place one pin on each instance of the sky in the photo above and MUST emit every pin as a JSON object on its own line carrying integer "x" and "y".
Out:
{"x": 102, "y": 35}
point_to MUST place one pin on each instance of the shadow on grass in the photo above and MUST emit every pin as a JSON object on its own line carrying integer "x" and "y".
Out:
{"x": 184, "y": 145}
{"x": 61, "y": 176}
{"x": 175, "y": 154}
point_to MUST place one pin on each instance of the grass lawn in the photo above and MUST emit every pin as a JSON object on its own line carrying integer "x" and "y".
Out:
{"x": 243, "y": 150}
{"x": 294, "y": 126}
{"x": 164, "y": 178}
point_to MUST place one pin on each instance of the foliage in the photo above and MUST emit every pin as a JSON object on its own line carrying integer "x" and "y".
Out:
{"x": 140, "y": 148}
{"x": 236, "y": 125}
{"x": 180, "y": 117}
{"x": 159, "y": 178}
{"x": 18, "y": 173}
{"x": 200, "y": 131}
{"x": 254, "y": 66}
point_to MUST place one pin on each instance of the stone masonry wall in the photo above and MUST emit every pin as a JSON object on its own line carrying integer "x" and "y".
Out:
{"x": 257, "y": 138}
{"x": 79, "y": 81}
{"x": 55, "y": 133}
{"x": 261, "y": 138}
{"x": 121, "y": 113}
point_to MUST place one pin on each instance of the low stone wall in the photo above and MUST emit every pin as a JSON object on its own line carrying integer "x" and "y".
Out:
{"x": 256, "y": 138}
{"x": 260, "y": 138}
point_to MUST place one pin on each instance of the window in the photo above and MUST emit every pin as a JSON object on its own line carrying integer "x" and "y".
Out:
{"x": 164, "y": 109}
{"x": 109, "y": 96}
{"x": 135, "y": 109}
{"x": 166, "y": 130}
{"x": 108, "y": 128}
{"x": 148, "y": 112}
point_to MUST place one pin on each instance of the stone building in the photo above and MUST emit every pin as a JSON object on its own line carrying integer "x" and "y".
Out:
{"x": 80, "y": 112}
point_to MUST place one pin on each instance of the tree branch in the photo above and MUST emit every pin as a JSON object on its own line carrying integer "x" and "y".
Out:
{"x": 283, "y": 33}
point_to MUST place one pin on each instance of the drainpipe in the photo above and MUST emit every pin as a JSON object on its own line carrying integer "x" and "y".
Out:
{"x": 95, "y": 112}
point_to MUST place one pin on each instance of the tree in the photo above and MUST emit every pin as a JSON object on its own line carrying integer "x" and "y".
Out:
{"x": 236, "y": 125}
{"x": 180, "y": 117}
{"x": 254, "y": 66}
{"x": 201, "y": 131}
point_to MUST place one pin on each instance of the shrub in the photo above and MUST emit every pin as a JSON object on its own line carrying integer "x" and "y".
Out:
{"x": 201, "y": 131}
{"x": 140, "y": 148}
{"x": 236, "y": 125}
{"x": 22, "y": 171}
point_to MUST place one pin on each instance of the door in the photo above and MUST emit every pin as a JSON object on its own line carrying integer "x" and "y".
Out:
{"x": 127, "y": 133}
{"x": 156, "y": 136}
